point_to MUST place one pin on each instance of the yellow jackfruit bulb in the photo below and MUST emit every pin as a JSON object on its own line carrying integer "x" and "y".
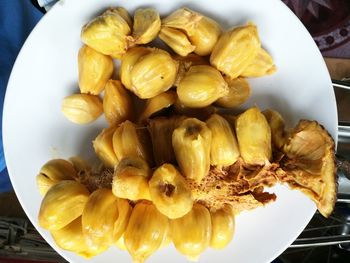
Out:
{"x": 236, "y": 50}
{"x": 98, "y": 218}
{"x": 124, "y": 212}
{"x": 71, "y": 238}
{"x": 185, "y": 63}
{"x": 238, "y": 93}
{"x": 129, "y": 140}
{"x": 128, "y": 62}
{"x": 205, "y": 36}
{"x": 82, "y": 108}
{"x": 191, "y": 142}
{"x": 176, "y": 40}
{"x": 201, "y": 86}
{"x": 103, "y": 145}
{"x": 191, "y": 233}
{"x": 184, "y": 19}
{"x": 170, "y": 192}
{"x": 145, "y": 232}
{"x": 122, "y": 12}
{"x": 161, "y": 130}
{"x": 158, "y": 103}
{"x": 146, "y": 25}
{"x": 254, "y": 137}
{"x": 117, "y": 104}
{"x": 130, "y": 179}
{"x": 153, "y": 74}
{"x": 262, "y": 65}
{"x": 224, "y": 149}
{"x": 107, "y": 34}
{"x": 53, "y": 172}
{"x": 223, "y": 227}
{"x": 63, "y": 203}
{"x": 95, "y": 69}
{"x": 277, "y": 126}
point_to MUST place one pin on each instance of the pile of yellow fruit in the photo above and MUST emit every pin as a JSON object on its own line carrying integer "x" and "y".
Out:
{"x": 175, "y": 167}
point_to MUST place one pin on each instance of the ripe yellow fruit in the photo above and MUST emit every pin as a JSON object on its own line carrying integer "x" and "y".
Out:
{"x": 235, "y": 50}
{"x": 262, "y": 65}
{"x": 170, "y": 192}
{"x": 71, "y": 238}
{"x": 224, "y": 149}
{"x": 223, "y": 227}
{"x": 176, "y": 40}
{"x": 131, "y": 141}
{"x": 95, "y": 69}
{"x": 82, "y": 108}
{"x": 146, "y": 231}
{"x": 201, "y": 86}
{"x": 107, "y": 34}
{"x": 191, "y": 233}
{"x": 98, "y": 218}
{"x": 191, "y": 142}
{"x": 53, "y": 172}
{"x": 278, "y": 132}
{"x": 63, "y": 203}
{"x": 238, "y": 92}
{"x": 117, "y": 104}
{"x": 103, "y": 145}
{"x": 146, "y": 25}
{"x": 254, "y": 137}
{"x": 130, "y": 179}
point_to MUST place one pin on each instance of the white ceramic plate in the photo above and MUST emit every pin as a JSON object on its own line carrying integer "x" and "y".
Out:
{"x": 46, "y": 70}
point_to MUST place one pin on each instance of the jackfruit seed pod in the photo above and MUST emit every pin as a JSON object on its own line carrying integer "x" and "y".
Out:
{"x": 224, "y": 149}
{"x": 117, "y": 104}
{"x": 130, "y": 179}
{"x": 153, "y": 74}
{"x": 53, "y": 172}
{"x": 170, "y": 192}
{"x": 161, "y": 130}
{"x": 98, "y": 218}
{"x": 103, "y": 145}
{"x": 191, "y": 233}
{"x": 185, "y": 63}
{"x": 262, "y": 65}
{"x": 71, "y": 238}
{"x": 107, "y": 34}
{"x": 184, "y": 19}
{"x": 129, "y": 140}
{"x": 145, "y": 232}
{"x": 277, "y": 126}
{"x": 191, "y": 142}
{"x": 176, "y": 40}
{"x": 238, "y": 93}
{"x": 201, "y": 86}
{"x": 146, "y": 25}
{"x": 128, "y": 62}
{"x": 124, "y": 212}
{"x": 254, "y": 137}
{"x": 235, "y": 50}
{"x": 158, "y": 103}
{"x": 122, "y": 12}
{"x": 205, "y": 36}
{"x": 95, "y": 69}
{"x": 82, "y": 108}
{"x": 223, "y": 227}
{"x": 63, "y": 203}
